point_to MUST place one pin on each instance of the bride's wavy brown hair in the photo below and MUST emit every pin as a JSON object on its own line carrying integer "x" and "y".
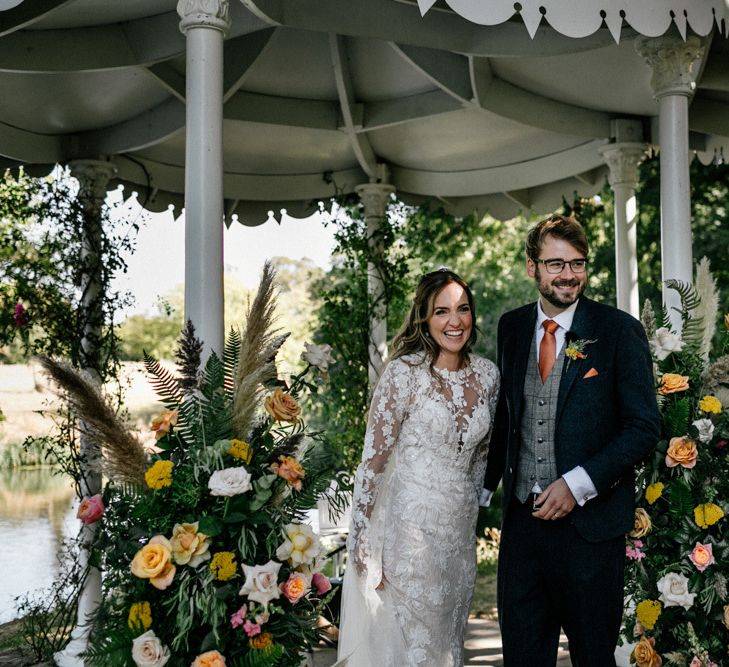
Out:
{"x": 414, "y": 337}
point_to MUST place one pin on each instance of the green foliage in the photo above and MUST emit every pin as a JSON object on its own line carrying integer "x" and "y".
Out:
{"x": 684, "y": 494}
{"x": 193, "y": 614}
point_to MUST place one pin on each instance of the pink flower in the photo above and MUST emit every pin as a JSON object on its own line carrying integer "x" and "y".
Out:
{"x": 634, "y": 552}
{"x": 21, "y": 316}
{"x": 321, "y": 583}
{"x": 702, "y": 556}
{"x": 696, "y": 663}
{"x": 237, "y": 619}
{"x": 295, "y": 587}
{"x": 91, "y": 509}
{"x": 252, "y": 629}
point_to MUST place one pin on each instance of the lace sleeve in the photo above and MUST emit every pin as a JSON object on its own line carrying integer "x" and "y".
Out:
{"x": 490, "y": 380}
{"x": 387, "y": 411}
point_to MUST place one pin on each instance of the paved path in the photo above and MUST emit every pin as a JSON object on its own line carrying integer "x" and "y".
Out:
{"x": 483, "y": 647}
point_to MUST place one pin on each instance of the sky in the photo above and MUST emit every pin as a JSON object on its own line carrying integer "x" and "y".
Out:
{"x": 157, "y": 265}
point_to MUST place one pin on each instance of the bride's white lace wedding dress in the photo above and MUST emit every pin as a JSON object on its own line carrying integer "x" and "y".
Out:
{"x": 414, "y": 516}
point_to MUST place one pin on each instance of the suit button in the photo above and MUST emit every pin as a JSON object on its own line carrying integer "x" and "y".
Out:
{"x": 541, "y": 402}
{"x": 532, "y": 478}
{"x": 511, "y": 470}
{"x": 540, "y": 460}
{"x": 540, "y": 440}
{"x": 540, "y": 421}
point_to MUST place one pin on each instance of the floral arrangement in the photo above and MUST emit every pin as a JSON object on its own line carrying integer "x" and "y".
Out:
{"x": 206, "y": 555}
{"x": 678, "y": 551}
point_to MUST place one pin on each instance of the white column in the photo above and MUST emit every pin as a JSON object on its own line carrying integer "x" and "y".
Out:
{"x": 204, "y": 23}
{"x": 672, "y": 59}
{"x": 93, "y": 177}
{"x": 374, "y": 197}
{"x": 623, "y": 160}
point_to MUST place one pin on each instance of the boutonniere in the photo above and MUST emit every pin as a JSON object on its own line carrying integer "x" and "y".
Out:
{"x": 576, "y": 349}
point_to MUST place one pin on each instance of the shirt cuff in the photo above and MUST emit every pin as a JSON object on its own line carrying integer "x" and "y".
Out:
{"x": 484, "y": 500}
{"x": 580, "y": 485}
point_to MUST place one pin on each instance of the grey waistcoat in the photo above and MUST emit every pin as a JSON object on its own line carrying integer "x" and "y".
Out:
{"x": 537, "y": 461}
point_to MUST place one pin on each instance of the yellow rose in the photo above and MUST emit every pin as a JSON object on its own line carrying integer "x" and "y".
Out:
{"x": 161, "y": 425}
{"x": 647, "y": 613}
{"x": 153, "y": 562}
{"x": 189, "y": 547}
{"x": 681, "y": 451}
{"x": 282, "y": 407}
{"x": 209, "y": 659}
{"x": 240, "y": 449}
{"x": 725, "y": 618}
{"x": 710, "y": 404}
{"x": 223, "y": 565}
{"x": 707, "y": 514}
{"x": 264, "y": 640}
{"x": 159, "y": 474}
{"x": 653, "y": 492}
{"x": 140, "y": 616}
{"x": 642, "y": 524}
{"x": 672, "y": 382}
{"x": 644, "y": 654}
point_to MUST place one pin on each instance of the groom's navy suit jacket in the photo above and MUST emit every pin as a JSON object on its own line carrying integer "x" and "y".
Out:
{"x": 606, "y": 423}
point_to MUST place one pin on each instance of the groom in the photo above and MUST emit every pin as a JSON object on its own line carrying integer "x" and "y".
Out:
{"x": 577, "y": 412}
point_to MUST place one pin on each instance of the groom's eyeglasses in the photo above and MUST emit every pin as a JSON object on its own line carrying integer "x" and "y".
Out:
{"x": 557, "y": 265}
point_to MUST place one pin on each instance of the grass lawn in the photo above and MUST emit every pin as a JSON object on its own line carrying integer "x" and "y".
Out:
{"x": 484, "y": 596}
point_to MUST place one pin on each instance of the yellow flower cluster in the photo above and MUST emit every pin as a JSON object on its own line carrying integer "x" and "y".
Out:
{"x": 223, "y": 565}
{"x": 707, "y": 514}
{"x": 240, "y": 449}
{"x": 159, "y": 475}
{"x": 653, "y": 492}
{"x": 710, "y": 404}
{"x": 647, "y": 613}
{"x": 140, "y": 616}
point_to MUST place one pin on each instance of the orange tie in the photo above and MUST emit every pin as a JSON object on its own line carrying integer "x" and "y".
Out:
{"x": 547, "y": 349}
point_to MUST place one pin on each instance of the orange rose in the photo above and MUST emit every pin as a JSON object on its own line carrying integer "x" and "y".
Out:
{"x": 295, "y": 587}
{"x": 264, "y": 640}
{"x": 672, "y": 383}
{"x": 161, "y": 425}
{"x": 645, "y": 655}
{"x": 209, "y": 659}
{"x": 282, "y": 407}
{"x": 682, "y": 451}
{"x": 642, "y": 524}
{"x": 290, "y": 469}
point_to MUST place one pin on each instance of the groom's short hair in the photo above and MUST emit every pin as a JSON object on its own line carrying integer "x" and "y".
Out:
{"x": 560, "y": 227}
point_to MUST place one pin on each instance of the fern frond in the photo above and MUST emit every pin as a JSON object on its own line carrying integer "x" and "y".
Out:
{"x": 124, "y": 457}
{"x": 692, "y": 329}
{"x": 164, "y": 383}
{"x": 188, "y": 357}
{"x": 256, "y": 356}
{"x": 268, "y": 657}
{"x": 231, "y": 354}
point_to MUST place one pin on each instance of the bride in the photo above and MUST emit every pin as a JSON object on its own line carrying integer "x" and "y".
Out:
{"x": 412, "y": 560}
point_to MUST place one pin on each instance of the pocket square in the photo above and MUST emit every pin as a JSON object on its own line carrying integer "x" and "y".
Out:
{"x": 590, "y": 374}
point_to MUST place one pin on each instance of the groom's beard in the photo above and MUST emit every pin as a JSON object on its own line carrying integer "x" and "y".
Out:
{"x": 546, "y": 288}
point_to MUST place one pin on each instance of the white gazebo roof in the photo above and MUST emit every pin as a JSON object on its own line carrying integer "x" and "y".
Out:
{"x": 471, "y": 102}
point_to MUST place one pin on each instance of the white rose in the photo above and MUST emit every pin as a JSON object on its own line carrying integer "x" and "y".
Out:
{"x": 300, "y": 546}
{"x": 261, "y": 583}
{"x": 665, "y": 342}
{"x": 229, "y": 482}
{"x": 148, "y": 651}
{"x": 319, "y": 356}
{"x": 674, "y": 591}
{"x": 705, "y": 428}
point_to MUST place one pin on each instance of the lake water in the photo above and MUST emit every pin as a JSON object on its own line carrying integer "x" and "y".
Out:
{"x": 37, "y": 514}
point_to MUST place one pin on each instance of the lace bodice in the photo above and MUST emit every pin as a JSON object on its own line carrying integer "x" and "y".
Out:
{"x": 437, "y": 428}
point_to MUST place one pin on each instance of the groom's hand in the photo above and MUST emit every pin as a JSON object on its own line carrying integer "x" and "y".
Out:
{"x": 555, "y": 502}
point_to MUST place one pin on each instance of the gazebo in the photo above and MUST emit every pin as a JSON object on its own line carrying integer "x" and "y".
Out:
{"x": 240, "y": 109}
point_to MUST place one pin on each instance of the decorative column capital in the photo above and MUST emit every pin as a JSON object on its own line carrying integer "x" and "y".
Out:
{"x": 623, "y": 160}
{"x": 93, "y": 177}
{"x": 204, "y": 14}
{"x": 671, "y": 59}
{"x": 374, "y": 197}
